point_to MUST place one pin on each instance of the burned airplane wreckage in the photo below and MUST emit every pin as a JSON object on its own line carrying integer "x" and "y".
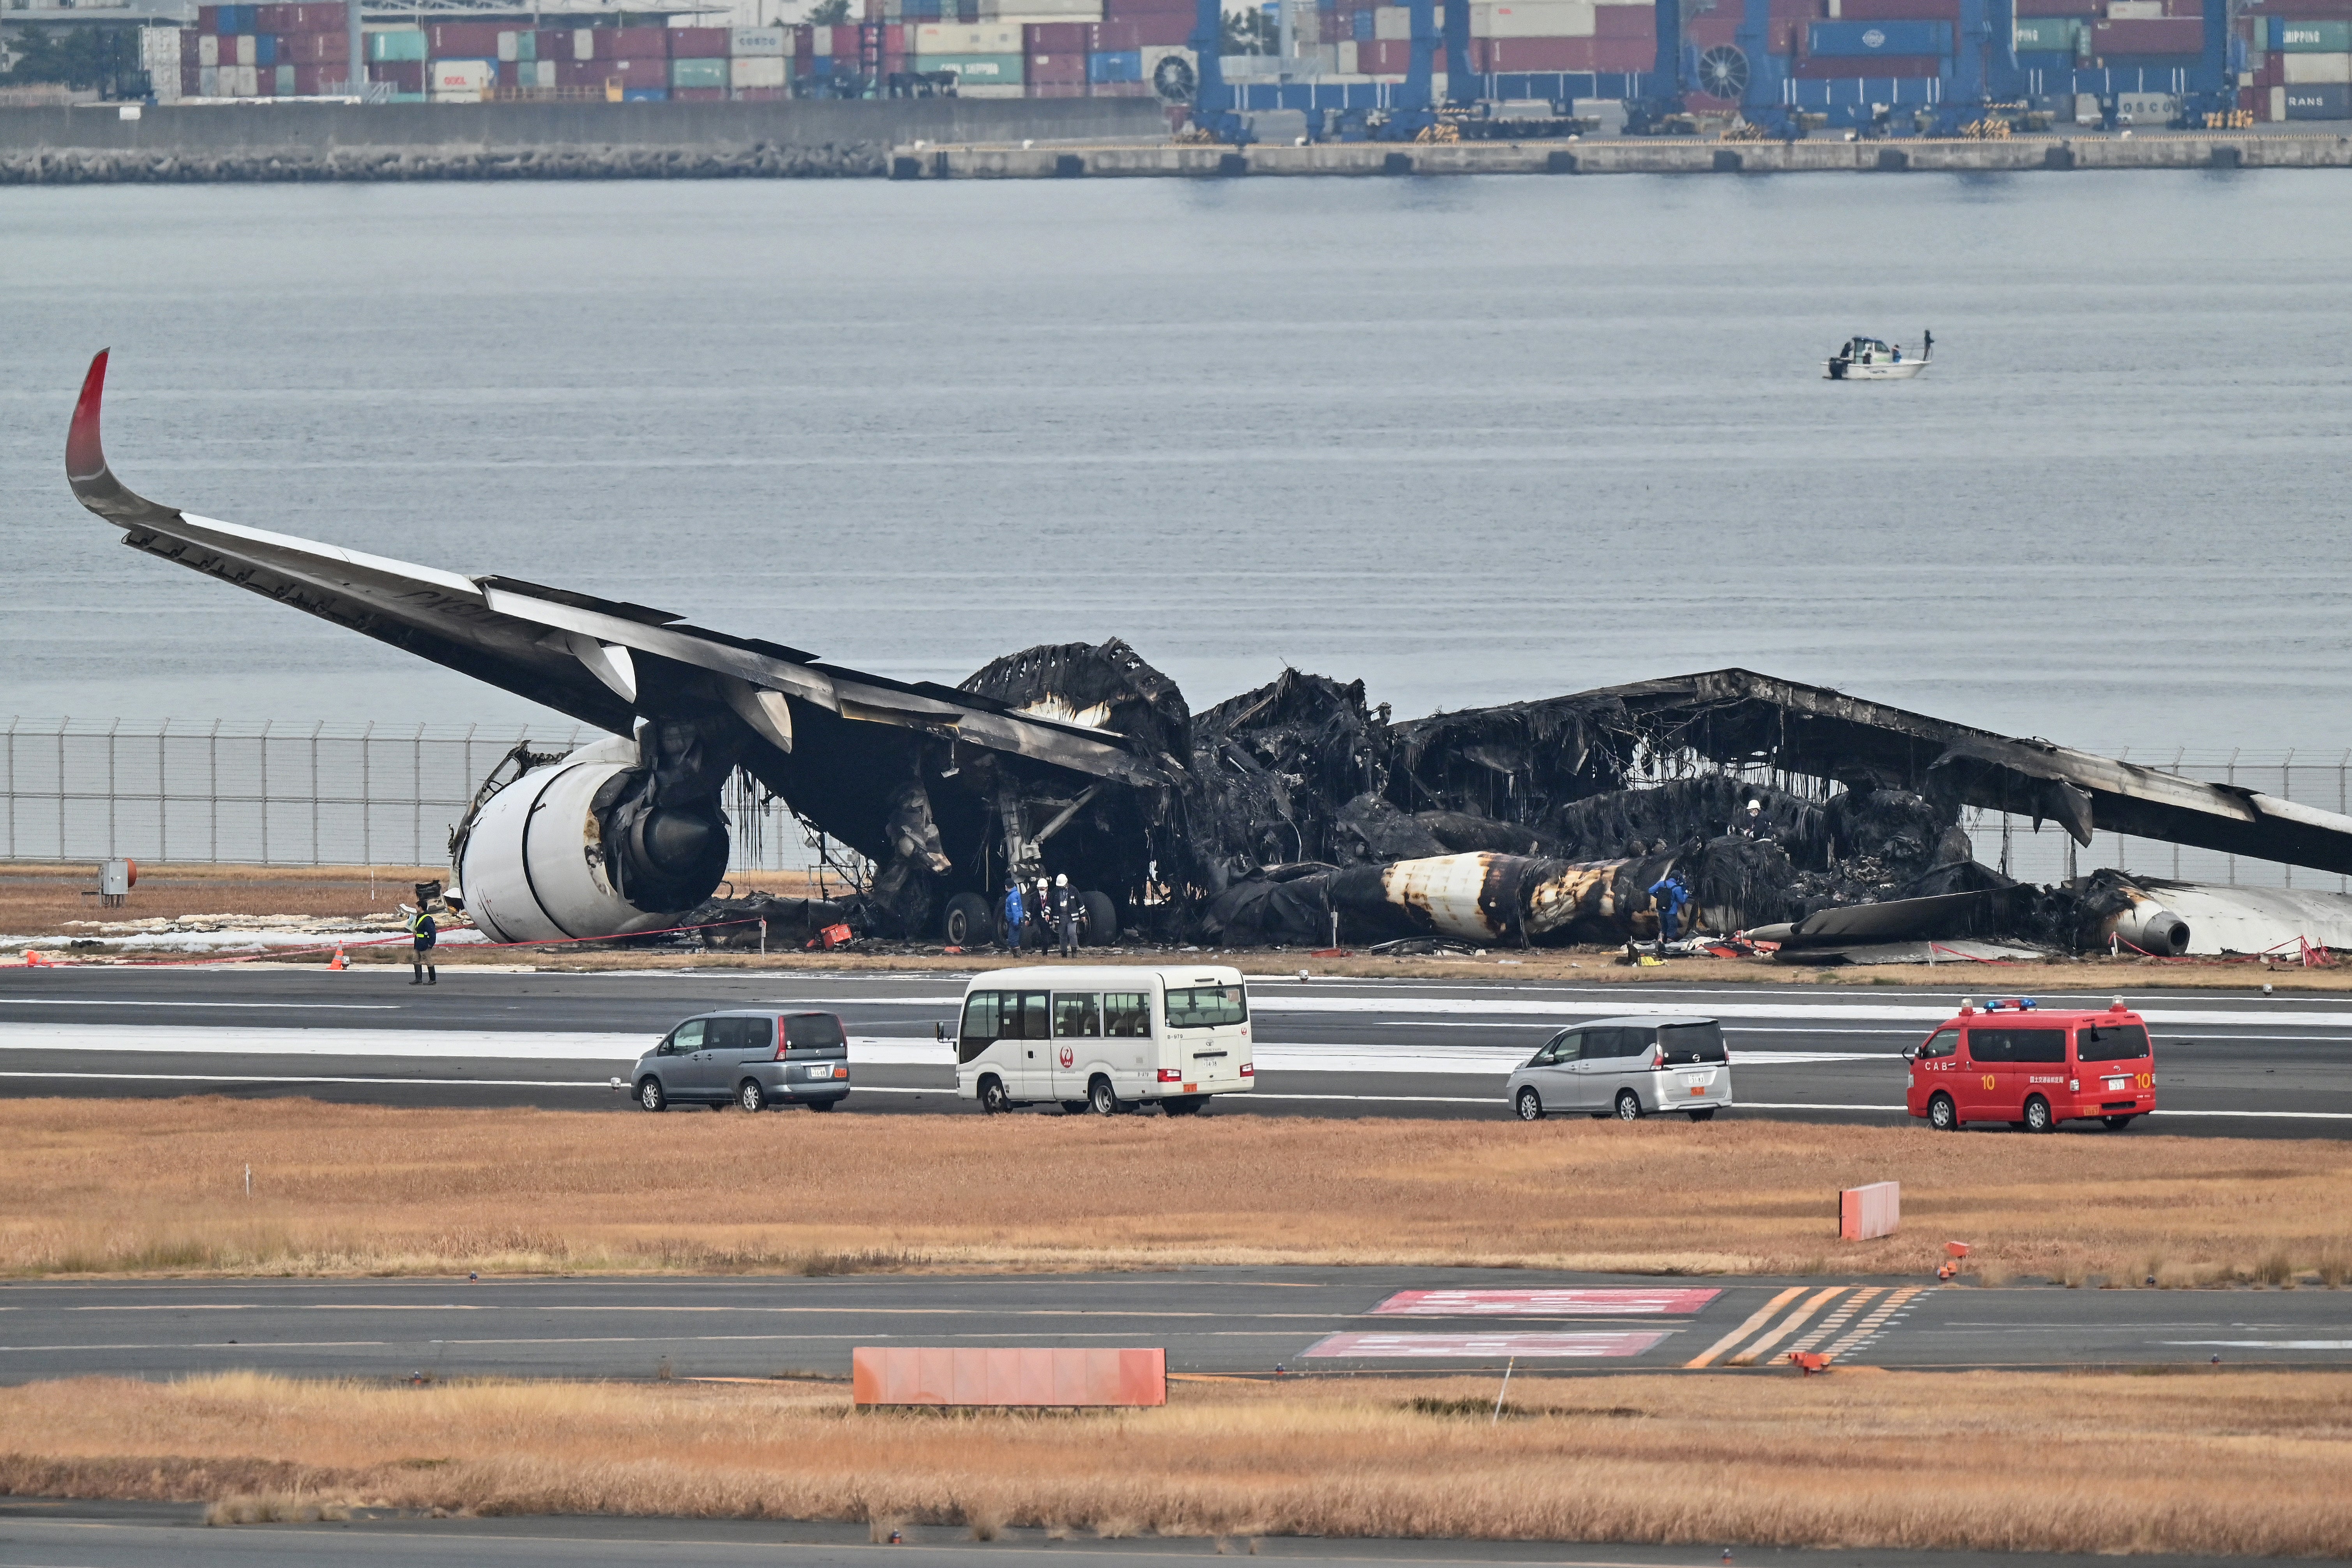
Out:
{"x": 1297, "y": 814}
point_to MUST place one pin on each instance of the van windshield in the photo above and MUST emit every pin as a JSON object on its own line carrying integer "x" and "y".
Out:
{"x": 1691, "y": 1042}
{"x": 1206, "y": 1006}
{"x": 2110, "y": 1043}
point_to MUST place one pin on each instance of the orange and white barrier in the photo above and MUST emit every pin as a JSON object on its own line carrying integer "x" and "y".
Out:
{"x": 915, "y": 1374}
{"x": 1865, "y": 1213}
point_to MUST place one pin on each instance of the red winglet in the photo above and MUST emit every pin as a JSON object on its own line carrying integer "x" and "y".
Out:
{"x": 85, "y": 457}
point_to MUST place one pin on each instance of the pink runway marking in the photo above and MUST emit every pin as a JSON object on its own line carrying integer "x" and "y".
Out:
{"x": 1565, "y": 1303}
{"x": 1596, "y": 1342}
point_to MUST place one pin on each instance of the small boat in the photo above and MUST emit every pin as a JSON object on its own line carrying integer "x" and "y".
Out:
{"x": 1868, "y": 359}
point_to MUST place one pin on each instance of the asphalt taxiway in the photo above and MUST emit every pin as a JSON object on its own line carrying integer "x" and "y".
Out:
{"x": 2237, "y": 1063}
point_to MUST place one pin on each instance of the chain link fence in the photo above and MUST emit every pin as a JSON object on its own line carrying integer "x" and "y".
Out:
{"x": 278, "y": 796}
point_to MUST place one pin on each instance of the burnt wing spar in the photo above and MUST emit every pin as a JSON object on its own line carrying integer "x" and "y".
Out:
{"x": 1296, "y": 812}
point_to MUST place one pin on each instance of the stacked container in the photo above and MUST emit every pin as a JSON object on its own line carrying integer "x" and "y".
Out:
{"x": 265, "y": 51}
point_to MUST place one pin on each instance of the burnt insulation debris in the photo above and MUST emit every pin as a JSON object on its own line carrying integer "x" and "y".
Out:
{"x": 1303, "y": 813}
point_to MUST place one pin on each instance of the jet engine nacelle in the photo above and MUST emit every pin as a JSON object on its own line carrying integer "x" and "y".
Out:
{"x": 548, "y": 857}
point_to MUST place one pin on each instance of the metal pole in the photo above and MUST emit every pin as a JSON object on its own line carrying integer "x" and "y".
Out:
{"x": 12, "y": 787}
{"x": 212, "y": 788}
{"x": 367, "y": 792}
{"x": 2234, "y": 779}
{"x": 163, "y": 799}
{"x": 61, "y": 785}
{"x": 2178, "y": 752}
{"x": 416, "y": 799}
{"x": 2286, "y": 791}
{"x": 315, "y": 728}
{"x": 265, "y": 791}
{"x": 110, "y": 729}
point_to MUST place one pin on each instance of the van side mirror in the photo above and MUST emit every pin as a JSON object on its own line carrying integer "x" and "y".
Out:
{"x": 1910, "y": 1053}
{"x": 939, "y": 1031}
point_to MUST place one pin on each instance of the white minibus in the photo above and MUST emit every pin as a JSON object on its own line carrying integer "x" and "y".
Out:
{"x": 1107, "y": 1039}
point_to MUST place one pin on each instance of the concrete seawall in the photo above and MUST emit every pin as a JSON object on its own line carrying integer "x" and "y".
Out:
{"x": 532, "y": 140}
{"x": 1678, "y": 156}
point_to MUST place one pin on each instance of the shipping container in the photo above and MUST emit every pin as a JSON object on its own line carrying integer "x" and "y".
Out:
{"x": 1054, "y": 38}
{"x": 1532, "y": 19}
{"x": 462, "y": 40}
{"x": 2160, "y": 36}
{"x": 1035, "y": 10}
{"x": 2310, "y": 37}
{"x": 395, "y": 43}
{"x": 2051, "y": 65}
{"x": 1390, "y": 23}
{"x": 756, "y": 70}
{"x": 744, "y": 42}
{"x": 759, "y": 94}
{"x": 694, "y": 72}
{"x": 698, "y": 95}
{"x": 1863, "y": 39}
{"x": 207, "y": 49}
{"x": 955, "y": 39}
{"x": 462, "y": 76}
{"x": 645, "y": 95}
{"x": 1845, "y": 68}
{"x": 1532, "y": 53}
{"x": 978, "y": 69}
{"x": 1115, "y": 65}
{"x": 699, "y": 43}
{"x": 401, "y": 75}
{"x": 2312, "y": 70}
{"x": 1625, "y": 21}
{"x": 2048, "y": 35}
{"x": 632, "y": 43}
{"x": 208, "y": 82}
{"x": 1899, "y": 10}
{"x": 242, "y": 81}
{"x": 2133, "y": 10}
{"x": 286, "y": 82}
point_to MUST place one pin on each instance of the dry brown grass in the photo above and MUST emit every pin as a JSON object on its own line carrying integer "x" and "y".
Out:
{"x": 40, "y": 900}
{"x": 2251, "y": 1464}
{"x": 115, "y": 1186}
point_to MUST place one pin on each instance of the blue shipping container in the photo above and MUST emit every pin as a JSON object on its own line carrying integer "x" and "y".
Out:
{"x": 1361, "y": 28}
{"x": 265, "y": 49}
{"x": 645, "y": 95}
{"x": 1116, "y": 65}
{"x": 1851, "y": 39}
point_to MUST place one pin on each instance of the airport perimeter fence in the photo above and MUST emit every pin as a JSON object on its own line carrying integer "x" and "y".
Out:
{"x": 323, "y": 795}
{"x": 274, "y": 795}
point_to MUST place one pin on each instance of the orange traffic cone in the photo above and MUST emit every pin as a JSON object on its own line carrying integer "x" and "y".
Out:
{"x": 35, "y": 961}
{"x": 337, "y": 962}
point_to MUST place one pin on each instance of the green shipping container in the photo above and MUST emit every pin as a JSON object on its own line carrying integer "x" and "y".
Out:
{"x": 2048, "y": 35}
{"x": 979, "y": 70}
{"x": 698, "y": 73}
{"x": 405, "y": 44}
{"x": 2296, "y": 36}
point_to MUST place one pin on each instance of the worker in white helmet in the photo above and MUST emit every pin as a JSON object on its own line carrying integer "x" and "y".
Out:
{"x": 1065, "y": 915}
{"x": 1754, "y": 828}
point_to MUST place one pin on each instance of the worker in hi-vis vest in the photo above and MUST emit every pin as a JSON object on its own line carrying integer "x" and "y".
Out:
{"x": 423, "y": 933}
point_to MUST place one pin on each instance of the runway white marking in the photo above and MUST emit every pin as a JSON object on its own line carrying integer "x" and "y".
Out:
{"x": 239, "y": 1007}
{"x": 2265, "y": 1344}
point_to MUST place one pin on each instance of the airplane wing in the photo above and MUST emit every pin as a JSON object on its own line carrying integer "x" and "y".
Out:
{"x": 573, "y": 652}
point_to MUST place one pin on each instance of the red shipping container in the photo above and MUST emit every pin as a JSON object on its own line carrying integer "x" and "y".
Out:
{"x": 188, "y": 46}
{"x": 1393, "y": 57}
{"x": 1852, "y": 67}
{"x": 1625, "y": 54}
{"x": 311, "y": 80}
{"x": 2148, "y": 36}
{"x": 2308, "y": 10}
{"x": 1054, "y": 38}
{"x": 698, "y": 43}
{"x": 401, "y": 75}
{"x": 2030, "y": 9}
{"x": 584, "y": 73}
{"x": 633, "y": 44}
{"x": 463, "y": 40}
{"x": 697, "y": 94}
{"x": 1625, "y": 21}
{"x": 1527, "y": 54}
{"x": 1039, "y": 71}
{"x": 207, "y": 19}
{"x": 1899, "y": 10}
{"x": 276, "y": 18}
{"x": 313, "y": 50}
{"x": 191, "y": 84}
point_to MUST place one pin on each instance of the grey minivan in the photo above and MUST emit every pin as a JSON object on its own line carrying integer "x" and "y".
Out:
{"x": 1626, "y": 1068}
{"x": 736, "y": 1059}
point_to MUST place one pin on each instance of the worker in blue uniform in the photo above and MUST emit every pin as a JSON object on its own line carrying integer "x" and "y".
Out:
{"x": 1671, "y": 894}
{"x": 1013, "y": 915}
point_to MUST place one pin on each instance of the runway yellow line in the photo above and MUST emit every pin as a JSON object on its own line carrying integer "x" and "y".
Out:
{"x": 1789, "y": 1325}
{"x": 1754, "y": 1321}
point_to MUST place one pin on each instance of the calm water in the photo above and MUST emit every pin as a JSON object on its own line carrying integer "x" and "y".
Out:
{"x": 1469, "y": 439}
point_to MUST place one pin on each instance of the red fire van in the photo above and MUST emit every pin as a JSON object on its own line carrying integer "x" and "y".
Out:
{"x": 2033, "y": 1067}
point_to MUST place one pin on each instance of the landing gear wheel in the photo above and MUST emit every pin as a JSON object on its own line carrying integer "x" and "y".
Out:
{"x": 1529, "y": 1104}
{"x": 650, "y": 1095}
{"x": 2037, "y": 1115}
{"x": 750, "y": 1096}
{"x": 2117, "y": 1123}
{"x": 968, "y": 922}
{"x": 1101, "y": 1098}
{"x": 1629, "y": 1106}
{"x": 992, "y": 1098}
{"x": 1189, "y": 1106}
{"x": 1703, "y": 1113}
{"x": 1943, "y": 1115}
{"x": 1098, "y": 918}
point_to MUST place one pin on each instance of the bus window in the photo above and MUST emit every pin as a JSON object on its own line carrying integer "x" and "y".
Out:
{"x": 979, "y": 1025}
{"x": 1206, "y": 1007}
{"x": 1127, "y": 1015}
{"x": 1687, "y": 1043}
{"x": 2023, "y": 1046}
{"x": 2110, "y": 1043}
{"x": 1077, "y": 1017}
{"x": 1033, "y": 1016}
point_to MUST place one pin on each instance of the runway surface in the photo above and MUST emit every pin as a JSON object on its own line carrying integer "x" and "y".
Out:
{"x": 46, "y": 1533}
{"x": 2236, "y": 1063}
{"x": 1211, "y": 1320}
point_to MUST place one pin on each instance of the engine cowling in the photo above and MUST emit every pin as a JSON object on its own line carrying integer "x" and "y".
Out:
{"x": 563, "y": 852}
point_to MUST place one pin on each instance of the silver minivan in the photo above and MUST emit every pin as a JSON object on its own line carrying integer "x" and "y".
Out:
{"x": 1626, "y": 1068}
{"x": 754, "y": 1059}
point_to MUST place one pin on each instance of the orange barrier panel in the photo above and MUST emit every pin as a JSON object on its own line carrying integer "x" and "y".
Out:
{"x": 1865, "y": 1213}
{"x": 922, "y": 1374}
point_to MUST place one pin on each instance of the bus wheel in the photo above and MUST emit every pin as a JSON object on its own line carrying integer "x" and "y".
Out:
{"x": 969, "y": 922}
{"x": 1102, "y": 1098}
{"x": 2117, "y": 1123}
{"x": 992, "y": 1098}
{"x": 2037, "y": 1115}
{"x": 1942, "y": 1115}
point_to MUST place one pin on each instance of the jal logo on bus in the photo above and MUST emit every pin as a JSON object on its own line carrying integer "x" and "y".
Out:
{"x": 1874, "y": 39}
{"x": 1069, "y": 1056}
